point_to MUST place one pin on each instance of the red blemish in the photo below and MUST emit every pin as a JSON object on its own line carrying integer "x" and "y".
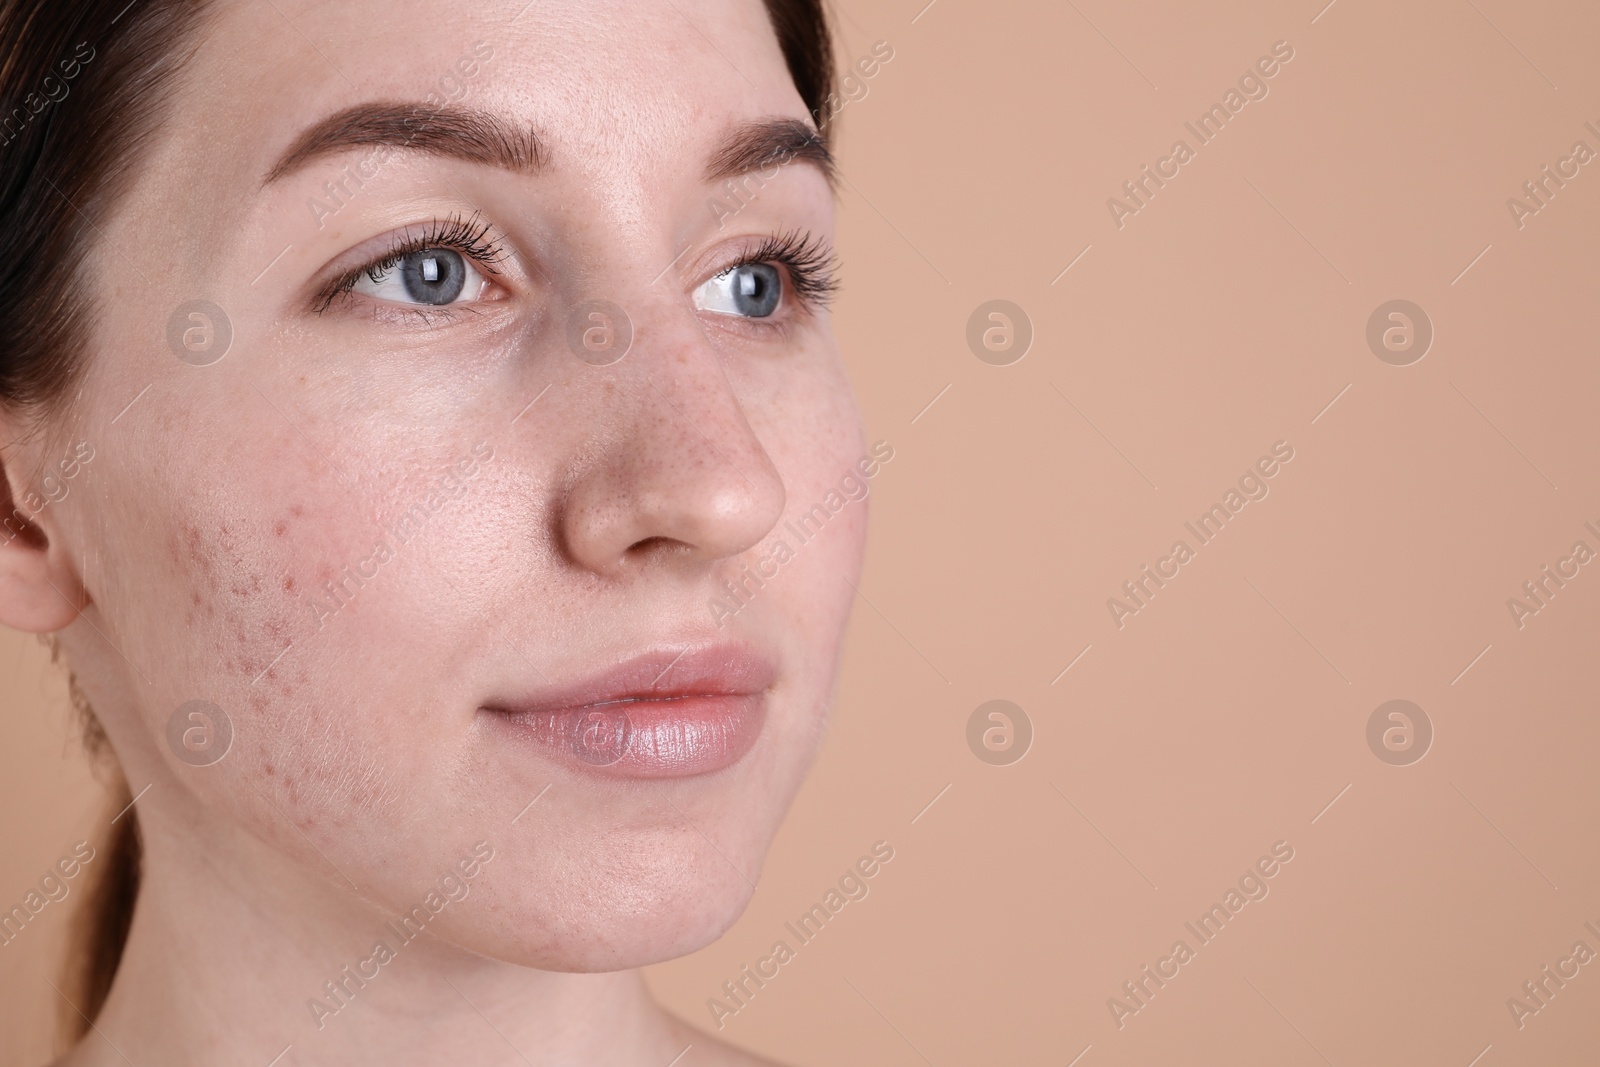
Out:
{"x": 280, "y": 528}
{"x": 288, "y": 584}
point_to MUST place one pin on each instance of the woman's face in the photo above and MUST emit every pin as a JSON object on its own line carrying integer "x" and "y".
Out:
{"x": 444, "y": 535}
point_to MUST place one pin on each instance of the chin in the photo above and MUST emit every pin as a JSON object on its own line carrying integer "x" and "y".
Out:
{"x": 626, "y": 900}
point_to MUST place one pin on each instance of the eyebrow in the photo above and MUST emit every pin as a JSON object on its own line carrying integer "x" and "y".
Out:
{"x": 482, "y": 137}
{"x": 762, "y": 144}
{"x": 459, "y": 133}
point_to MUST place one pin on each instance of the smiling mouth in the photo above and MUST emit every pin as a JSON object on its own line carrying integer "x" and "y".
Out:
{"x": 664, "y": 714}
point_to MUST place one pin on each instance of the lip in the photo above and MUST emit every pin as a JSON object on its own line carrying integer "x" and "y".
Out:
{"x": 667, "y": 713}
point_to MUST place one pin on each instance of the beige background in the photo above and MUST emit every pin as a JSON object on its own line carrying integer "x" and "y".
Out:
{"x": 1223, "y": 317}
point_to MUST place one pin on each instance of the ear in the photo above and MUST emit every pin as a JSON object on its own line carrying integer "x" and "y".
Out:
{"x": 40, "y": 592}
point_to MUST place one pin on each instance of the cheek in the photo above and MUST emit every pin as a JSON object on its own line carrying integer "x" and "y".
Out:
{"x": 220, "y": 608}
{"x": 823, "y": 443}
{"x": 239, "y": 557}
{"x": 822, "y": 597}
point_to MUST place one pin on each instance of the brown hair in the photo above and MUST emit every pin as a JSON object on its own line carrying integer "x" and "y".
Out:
{"x": 83, "y": 88}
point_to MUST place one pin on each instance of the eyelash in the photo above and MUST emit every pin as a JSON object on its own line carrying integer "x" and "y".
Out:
{"x": 470, "y": 236}
{"x": 808, "y": 259}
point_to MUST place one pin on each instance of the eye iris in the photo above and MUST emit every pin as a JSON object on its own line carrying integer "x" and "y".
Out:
{"x": 433, "y": 275}
{"x": 756, "y": 289}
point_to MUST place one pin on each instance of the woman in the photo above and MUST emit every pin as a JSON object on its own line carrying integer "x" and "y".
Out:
{"x": 446, "y": 376}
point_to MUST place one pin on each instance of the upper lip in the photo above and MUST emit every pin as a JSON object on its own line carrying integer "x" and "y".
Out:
{"x": 728, "y": 668}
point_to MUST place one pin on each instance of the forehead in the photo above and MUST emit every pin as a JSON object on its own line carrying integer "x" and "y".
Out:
{"x": 603, "y": 82}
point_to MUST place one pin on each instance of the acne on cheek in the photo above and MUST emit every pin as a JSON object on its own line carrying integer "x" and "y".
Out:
{"x": 233, "y": 599}
{"x": 318, "y": 783}
{"x": 246, "y": 594}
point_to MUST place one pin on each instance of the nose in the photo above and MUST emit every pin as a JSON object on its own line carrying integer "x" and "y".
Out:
{"x": 677, "y": 471}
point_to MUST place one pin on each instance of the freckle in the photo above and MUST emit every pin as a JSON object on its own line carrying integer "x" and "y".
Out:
{"x": 197, "y": 599}
{"x": 270, "y": 770}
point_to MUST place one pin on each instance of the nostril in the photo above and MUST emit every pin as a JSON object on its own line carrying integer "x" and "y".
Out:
{"x": 653, "y": 546}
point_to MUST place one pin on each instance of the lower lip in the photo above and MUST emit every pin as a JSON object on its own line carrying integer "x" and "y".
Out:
{"x": 674, "y": 737}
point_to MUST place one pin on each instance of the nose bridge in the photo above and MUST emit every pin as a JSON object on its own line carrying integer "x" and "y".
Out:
{"x": 696, "y": 424}
{"x": 684, "y": 385}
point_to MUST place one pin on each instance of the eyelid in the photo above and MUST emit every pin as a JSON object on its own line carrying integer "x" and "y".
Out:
{"x": 807, "y": 258}
{"x": 473, "y": 237}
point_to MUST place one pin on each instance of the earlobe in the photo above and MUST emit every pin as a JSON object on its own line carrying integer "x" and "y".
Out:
{"x": 39, "y": 593}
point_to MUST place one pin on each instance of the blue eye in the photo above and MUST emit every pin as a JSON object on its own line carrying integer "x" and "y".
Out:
{"x": 750, "y": 289}
{"x": 430, "y": 276}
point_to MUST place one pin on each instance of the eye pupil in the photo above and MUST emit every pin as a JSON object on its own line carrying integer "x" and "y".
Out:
{"x": 433, "y": 275}
{"x": 756, "y": 289}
